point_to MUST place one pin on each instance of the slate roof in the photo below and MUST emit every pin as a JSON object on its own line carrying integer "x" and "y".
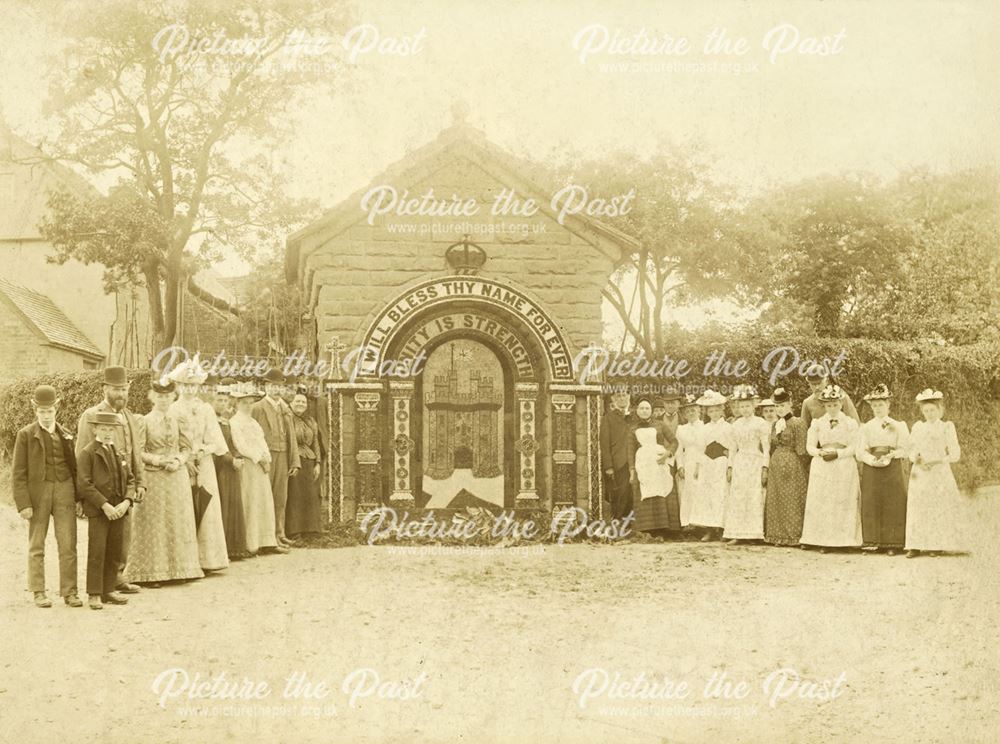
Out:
{"x": 48, "y": 320}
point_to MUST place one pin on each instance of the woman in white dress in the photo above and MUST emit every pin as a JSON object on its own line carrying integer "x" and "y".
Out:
{"x": 688, "y": 453}
{"x": 255, "y": 485}
{"x": 201, "y": 427}
{"x": 714, "y": 467}
{"x": 933, "y": 500}
{"x": 744, "y": 512}
{"x": 833, "y": 499}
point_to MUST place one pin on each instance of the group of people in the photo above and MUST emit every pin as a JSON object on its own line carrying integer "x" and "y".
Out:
{"x": 819, "y": 479}
{"x": 217, "y": 471}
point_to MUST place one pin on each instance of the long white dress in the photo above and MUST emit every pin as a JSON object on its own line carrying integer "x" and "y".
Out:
{"x": 255, "y": 485}
{"x": 200, "y": 425}
{"x": 833, "y": 499}
{"x": 744, "y": 514}
{"x": 687, "y": 457}
{"x": 933, "y": 500}
{"x": 711, "y": 487}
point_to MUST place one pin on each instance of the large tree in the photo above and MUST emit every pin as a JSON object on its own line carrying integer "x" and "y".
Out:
{"x": 694, "y": 239}
{"x": 948, "y": 286}
{"x": 836, "y": 239}
{"x": 189, "y": 133}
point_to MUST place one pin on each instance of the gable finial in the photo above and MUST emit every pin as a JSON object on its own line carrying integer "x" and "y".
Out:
{"x": 459, "y": 112}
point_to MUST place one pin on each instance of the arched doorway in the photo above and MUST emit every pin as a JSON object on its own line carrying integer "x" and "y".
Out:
{"x": 462, "y": 405}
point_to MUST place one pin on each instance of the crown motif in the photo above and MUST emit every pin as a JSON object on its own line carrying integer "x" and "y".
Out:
{"x": 465, "y": 257}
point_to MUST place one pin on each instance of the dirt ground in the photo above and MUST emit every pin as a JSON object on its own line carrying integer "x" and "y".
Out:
{"x": 487, "y": 645}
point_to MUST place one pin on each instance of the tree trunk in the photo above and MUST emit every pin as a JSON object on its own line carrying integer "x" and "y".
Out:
{"x": 152, "y": 276}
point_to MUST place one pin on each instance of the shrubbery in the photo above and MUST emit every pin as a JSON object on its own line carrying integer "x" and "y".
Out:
{"x": 969, "y": 377}
{"x": 78, "y": 391}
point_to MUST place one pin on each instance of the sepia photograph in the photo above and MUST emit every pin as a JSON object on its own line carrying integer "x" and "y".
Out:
{"x": 454, "y": 371}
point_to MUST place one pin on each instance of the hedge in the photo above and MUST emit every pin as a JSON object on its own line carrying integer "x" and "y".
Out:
{"x": 78, "y": 391}
{"x": 969, "y": 377}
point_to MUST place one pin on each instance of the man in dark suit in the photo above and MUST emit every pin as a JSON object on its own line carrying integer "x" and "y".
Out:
{"x": 43, "y": 476}
{"x": 128, "y": 441}
{"x": 614, "y": 436}
{"x": 106, "y": 487}
{"x": 275, "y": 418}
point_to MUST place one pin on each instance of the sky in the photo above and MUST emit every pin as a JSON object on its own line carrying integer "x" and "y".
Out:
{"x": 901, "y": 83}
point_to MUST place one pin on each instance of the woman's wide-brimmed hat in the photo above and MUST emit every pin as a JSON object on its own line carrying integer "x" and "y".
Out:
{"x": 744, "y": 392}
{"x": 780, "y": 395}
{"x": 880, "y": 392}
{"x": 163, "y": 385}
{"x": 766, "y": 403}
{"x": 689, "y": 401}
{"x": 189, "y": 372}
{"x": 711, "y": 398}
{"x": 929, "y": 395}
{"x": 831, "y": 393}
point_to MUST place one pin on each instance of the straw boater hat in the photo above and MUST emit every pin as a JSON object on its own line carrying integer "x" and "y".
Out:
{"x": 104, "y": 418}
{"x": 244, "y": 390}
{"x": 766, "y": 403}
{"x": 689, "y": 401}
{"x": 880, "y": 392}
{"x": 780, "y": 395}
{"x": 929, "y": 395}
{"x": 711, "y": 398}
{"x": 831, "y": 393}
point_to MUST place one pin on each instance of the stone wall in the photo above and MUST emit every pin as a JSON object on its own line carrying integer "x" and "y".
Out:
{"x": 358, "y": 271}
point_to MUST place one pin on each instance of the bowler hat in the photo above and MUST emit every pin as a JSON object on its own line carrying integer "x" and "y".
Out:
{"x": 115, "y": 376}
{"x": 672, "y": 394}
{"x": 45, "y": 395}
{"x": 104, "y": 418}
{"x": 274, "y": 375}
{"x": 780, "y": 395}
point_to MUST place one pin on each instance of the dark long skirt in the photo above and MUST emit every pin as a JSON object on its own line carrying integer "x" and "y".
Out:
{"x": 883, "y": 505}
{"x": 619, "y": 492}
{"x": 231, "y": 502}
{"x": 785, "y": 499}
{"x": 658, "y": 513}
{"x": 302, "y": 512}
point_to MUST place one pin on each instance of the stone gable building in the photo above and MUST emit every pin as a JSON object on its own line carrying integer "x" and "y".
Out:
{"x": 500, "y": 303}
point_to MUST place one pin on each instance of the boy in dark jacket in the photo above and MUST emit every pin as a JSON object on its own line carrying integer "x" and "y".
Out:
{"x": 106, "y": 488}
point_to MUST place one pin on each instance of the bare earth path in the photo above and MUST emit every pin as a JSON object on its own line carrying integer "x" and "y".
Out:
{"x": 500, "y": 638}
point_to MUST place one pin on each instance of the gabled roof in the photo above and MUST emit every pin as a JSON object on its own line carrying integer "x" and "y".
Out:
{"x": 33, "y": 180}
{"x": 459, "y": 140}
{"x": 47, "y": 320}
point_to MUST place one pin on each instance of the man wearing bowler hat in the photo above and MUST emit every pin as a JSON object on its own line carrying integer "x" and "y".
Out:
{"x": 275, "y": 418}
{"x": 128, "y": 441}
{"x": 43, "y": 475}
